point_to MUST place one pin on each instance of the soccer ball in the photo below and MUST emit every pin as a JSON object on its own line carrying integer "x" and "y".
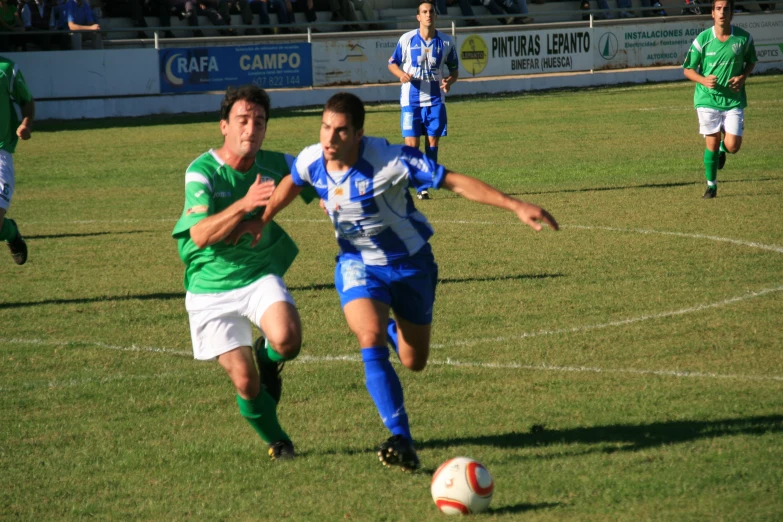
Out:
{"x": 462, "y": 486}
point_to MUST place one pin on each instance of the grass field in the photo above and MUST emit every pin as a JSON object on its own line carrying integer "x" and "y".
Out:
{"x": 644, "y": 337}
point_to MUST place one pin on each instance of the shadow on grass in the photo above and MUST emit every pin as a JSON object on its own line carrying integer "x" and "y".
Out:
{"x": 165, "y": 296}
{"x": 521, "y": 508}
{"x": 86, "y": 234}
{"x": 631, "y": 437}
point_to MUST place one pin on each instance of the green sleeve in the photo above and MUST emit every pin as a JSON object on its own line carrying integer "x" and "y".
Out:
{"x": 750, "y": 52}
{"x": 693, "y": 58}
{"x": 198, "y": 203}
{"x": 21, "y": 93}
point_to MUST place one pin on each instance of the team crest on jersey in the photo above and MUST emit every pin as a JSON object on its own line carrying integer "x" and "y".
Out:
{"x": 737, "y": 48}
{"x": 362, "y": 185}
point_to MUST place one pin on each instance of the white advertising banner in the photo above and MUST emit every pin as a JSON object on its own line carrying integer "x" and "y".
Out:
{"x": 353, "y": 61}
{"x": 525, "y": 52}
{"x": 650, "y": 45}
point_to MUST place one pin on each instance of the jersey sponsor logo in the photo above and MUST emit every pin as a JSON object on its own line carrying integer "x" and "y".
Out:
{"x": 198, "y": 209}
{"x": 266, "y": 178}
{"x": 354, "y": 274}
{"x": 320, "y": 185}
{"x": 226, "y": 194}
{"x": 712, "y": 54}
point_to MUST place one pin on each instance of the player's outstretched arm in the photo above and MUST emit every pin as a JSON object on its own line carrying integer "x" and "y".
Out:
{"x": 285, "y": 193}
{"x": 217, "y": 227}
{"x": 478, "y": 191}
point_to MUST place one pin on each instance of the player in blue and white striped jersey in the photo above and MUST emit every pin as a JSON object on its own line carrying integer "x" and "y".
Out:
{"x": 385, "y": 262}
{"x": 417, "y": 63}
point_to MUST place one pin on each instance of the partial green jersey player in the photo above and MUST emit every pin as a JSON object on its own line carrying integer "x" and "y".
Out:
{"x": 720, "y": 61}
{"x": 233, "y": 272}
{"x": 13, "y": 91}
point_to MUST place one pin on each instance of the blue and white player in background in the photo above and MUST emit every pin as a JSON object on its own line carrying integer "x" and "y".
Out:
{"x": 417, "y": 62}
{"x": 385, "y": 261}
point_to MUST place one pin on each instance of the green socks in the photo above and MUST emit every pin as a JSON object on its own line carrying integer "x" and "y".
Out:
{"x": 269, "y": 356}
{"x": 711, "y": 166}
{"x": 261, "y": 413}
{"x": 9, "y": 231}
{"x": 723, "y": 148}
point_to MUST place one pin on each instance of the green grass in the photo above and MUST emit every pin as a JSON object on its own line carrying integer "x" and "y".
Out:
{"x": 644, "y": 342}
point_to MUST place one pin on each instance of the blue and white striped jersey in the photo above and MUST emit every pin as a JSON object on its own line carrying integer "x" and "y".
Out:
{"x": 422, "y": 60}
{"x": 370, "y": 206}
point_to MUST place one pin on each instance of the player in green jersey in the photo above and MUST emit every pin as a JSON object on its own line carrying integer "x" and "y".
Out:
{"x": 720, "y": 61}
{"x": 13, "y": 90}
{"x": 233, "y": 274}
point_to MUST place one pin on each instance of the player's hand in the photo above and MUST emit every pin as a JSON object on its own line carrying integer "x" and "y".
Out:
{"x": 710, "y": 81}
{"x": 405, "y": 78}
{"x": 254, "y": 227}
{"x": 736, "y": 83}
{"x": 445, "y": 85}
{"x": 23, "y": 132}
{"x": 258, "y": 195}
{"x": 533, "y": 216}
{"x": 322, "y": 204}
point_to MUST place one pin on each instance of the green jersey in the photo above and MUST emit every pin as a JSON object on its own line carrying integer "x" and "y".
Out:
{"x": 711, "y": 57}
{"x": 211, "y": 186}
{"x": 13, "y": 89}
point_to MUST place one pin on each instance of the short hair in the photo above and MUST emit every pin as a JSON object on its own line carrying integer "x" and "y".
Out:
{"x": 731, "y": 5}
{"x": 249, "y": 93}
{"x": 422, "y": 2}
{"x": 348, "y": 104}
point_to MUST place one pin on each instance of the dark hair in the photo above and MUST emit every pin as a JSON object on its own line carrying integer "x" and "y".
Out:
{"x": 731, "y": 5}
{"x": 422, "y": 2}
{"x": 348, "y": 104}
{"x": 249, "y": 93}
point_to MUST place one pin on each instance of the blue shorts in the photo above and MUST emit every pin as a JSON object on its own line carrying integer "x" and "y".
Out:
{"x": 407, "y": 286}
{"x": 423, "y": 121}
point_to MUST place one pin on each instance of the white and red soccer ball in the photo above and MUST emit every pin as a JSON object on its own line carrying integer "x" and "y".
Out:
{"x": 462, "y": 486}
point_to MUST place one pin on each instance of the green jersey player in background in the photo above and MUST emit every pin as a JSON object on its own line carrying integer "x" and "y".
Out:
{"x": 233, "y": 274}
{"x": 720, "y": 61}
{"x": 13, "y": 90}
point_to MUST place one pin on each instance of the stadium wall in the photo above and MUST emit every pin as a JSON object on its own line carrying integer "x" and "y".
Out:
{"x": 141, "y": 82}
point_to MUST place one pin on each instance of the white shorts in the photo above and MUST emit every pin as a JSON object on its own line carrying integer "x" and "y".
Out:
{"x": 711, "y": 121}
{"x": 6, "y": 178}
{"x": 224, "y": 321}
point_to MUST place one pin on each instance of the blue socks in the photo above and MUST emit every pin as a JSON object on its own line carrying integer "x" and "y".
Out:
{"x": 391, "y": 335}
{"x": 430, "y": 152}
{"x": 385, "y": 389}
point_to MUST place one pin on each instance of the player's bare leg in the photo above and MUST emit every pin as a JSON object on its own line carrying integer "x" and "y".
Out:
{"x": 413, "y": 343}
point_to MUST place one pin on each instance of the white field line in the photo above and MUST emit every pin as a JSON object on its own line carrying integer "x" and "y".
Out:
{"x": 313, "y": 359}
{"x": 622, "y": 322}
{"x": 525, "y": 335}
{"x": 69, "y": 383}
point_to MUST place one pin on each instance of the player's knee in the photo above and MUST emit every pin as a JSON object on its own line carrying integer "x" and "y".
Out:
{"x": 248, "y": 387}
{"x": 734, "y": 147}
{"x": 288, "y": 344}
{"x": 371, "y": 338}
{"x": 414, "y": 363}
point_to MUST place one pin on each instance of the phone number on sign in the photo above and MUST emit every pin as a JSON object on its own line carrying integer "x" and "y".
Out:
{"x": 277, "y": 81}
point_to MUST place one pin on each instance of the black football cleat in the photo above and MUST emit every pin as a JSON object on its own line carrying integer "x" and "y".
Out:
{"x": 721, "y": 159}
{"x": 710, "y": 193}
{"x": 18, "y": 249}
{"x": 399, "y": 451}
{"x": 270, "y": 372}
{"x": 282, "y": 450}
{"x": 423, "y": 195}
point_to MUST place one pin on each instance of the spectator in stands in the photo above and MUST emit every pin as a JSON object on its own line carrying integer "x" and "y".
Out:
{"x": 79, "y": 16}
{"x": 208, "y": 8}
{"x": 653, "y": 3}
{"x": 625, "y": 5}
{"x": 517, "y": 8}
{"x": 346, "y": 10}
{"x": 98, "y": 11}
{"x": 37, "y": 16}
{"x": 9, "y": 24}
{"x": 242, "y": 7}
{"x": 282, "y": 8}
